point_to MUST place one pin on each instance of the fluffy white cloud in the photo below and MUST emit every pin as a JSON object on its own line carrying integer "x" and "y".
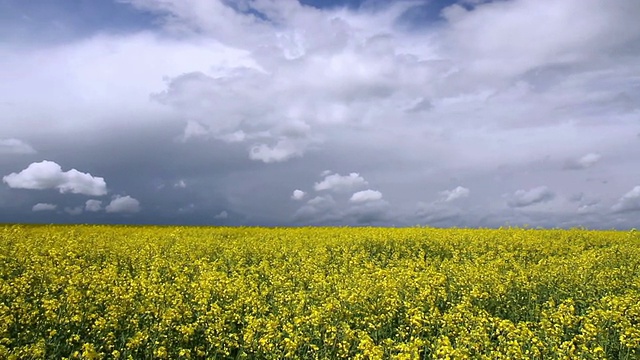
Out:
{"x": 180, "y": 184}
{"x": 222, "y": 215}
{"x": 298, "y": 194}
{"x": 454, "y": 194}
{"x": 123, "y": 204}
{"x": 15, "y": 146}
{"x": 524, "y": 198}
{"x": 629, "y": 202}
{"x": 93, "y": 205}
{"x": 365, "y": 195}
{"x": 44, "y": 207}
{"x": 337, "y": 182}
{"x": 49, "y": 175}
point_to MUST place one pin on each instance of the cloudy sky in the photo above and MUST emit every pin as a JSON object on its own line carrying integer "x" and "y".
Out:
{"x": 469, "y": 113}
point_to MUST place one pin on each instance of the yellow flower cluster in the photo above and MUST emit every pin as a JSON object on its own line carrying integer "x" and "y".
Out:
{"x": 116, "y": 292}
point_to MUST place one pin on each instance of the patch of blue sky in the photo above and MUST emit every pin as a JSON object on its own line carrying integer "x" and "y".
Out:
{"x": 323, "y": 4}
{"x": 424, "y": 13}
{"x": 50, "y": 21}
{"x": 63, "y": 20}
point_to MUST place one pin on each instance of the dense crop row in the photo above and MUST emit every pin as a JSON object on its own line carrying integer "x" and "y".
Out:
{"x": 370, "y": 293}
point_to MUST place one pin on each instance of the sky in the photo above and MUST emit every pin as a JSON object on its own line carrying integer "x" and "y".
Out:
{"x": 444, "y": 113}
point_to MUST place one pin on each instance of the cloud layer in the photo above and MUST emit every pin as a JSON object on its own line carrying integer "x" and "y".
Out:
{"x": 524, "y": 198}
{"x": 470, "y": 113}
{"x": 629, "y": 202}
{"x": 14, "y": 147}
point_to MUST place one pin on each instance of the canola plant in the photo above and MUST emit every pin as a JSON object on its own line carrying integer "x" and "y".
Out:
{"x": 117, "y": 292}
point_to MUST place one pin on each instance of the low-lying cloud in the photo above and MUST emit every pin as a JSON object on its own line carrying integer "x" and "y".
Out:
{"x": 44, "y": 207}
{"x": 49, "y": 175}
{"x": 524, "y": 198}
{"x": 629, "y": 202}
{"x": 337, "y": 182}
{"x": 123, "y": 204}
{"x": 365, "y": 195}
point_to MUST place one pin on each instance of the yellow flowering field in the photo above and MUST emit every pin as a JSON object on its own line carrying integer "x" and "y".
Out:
{"x": 118, "y": 292}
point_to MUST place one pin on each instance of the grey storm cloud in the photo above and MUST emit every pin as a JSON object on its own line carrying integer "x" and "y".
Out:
{"x": 15, "y": 146}
{"x": 629, "y": 202}
{"x": 93, "y": 205}
{"x": 372, "y": 211}
{"x": 222, "y": 215}
{"x": 434, "y": 214}
{"x": 524, "y": 198}
{"x": 248, "y": 100}
{"x": 583, "y": 162}
{"x": 73, "y": 211}
{"x": 318, "y": 209}
{"x": 457, "y": 193}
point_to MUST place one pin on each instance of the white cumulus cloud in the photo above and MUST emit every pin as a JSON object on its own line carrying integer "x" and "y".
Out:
{"x": 49, "y": 175}
{"x": 339, "y": 182}
{"x": 123, "y": 204}
{"x": 44, "y": 207}
{"x": 298, "y": 194}
{"x": 365, "y": 195}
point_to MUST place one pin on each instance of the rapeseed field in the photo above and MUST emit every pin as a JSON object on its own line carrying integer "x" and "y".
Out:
{"x": 115, "y": 292}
